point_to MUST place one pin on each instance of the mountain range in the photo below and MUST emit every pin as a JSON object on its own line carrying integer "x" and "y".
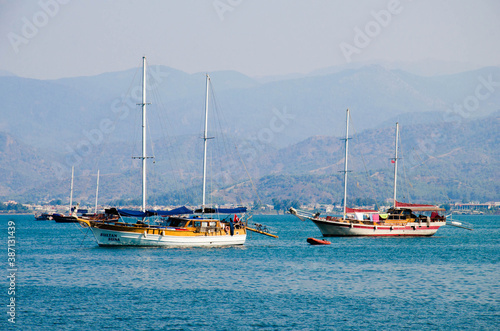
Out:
{"x": 287, "y": 131}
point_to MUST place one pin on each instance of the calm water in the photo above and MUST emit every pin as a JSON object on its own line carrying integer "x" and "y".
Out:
{"x": 450, "y": 281}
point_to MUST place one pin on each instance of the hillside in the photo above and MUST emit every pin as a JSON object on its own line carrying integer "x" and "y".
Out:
{"x": 441, "y": 161}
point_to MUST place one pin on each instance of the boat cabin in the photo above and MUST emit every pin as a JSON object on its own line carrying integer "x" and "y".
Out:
{"x": 400, "y": 214}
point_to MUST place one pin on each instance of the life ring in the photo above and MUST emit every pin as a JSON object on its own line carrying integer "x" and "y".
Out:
{"x": 227, "y": 228}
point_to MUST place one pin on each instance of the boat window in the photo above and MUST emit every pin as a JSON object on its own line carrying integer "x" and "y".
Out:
{"x": 197, "y": 224}
{"x": 176, "y": 222}
{"x": 213, "y": 224}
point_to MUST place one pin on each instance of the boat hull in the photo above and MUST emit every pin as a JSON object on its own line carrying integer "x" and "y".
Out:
{"x": 345, "y": 229}
{"x": 314, "y": 241}
{"x": 64, "y": 219}
{"x": 106, "y": 236}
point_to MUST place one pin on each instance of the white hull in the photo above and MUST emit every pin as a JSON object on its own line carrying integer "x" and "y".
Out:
{"x": 122, "y": 238}
{"x": 341, "y": 229}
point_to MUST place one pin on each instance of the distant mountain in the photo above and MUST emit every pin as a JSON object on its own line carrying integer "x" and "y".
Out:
{"x": 428, "y": 67}
{"x": 6, "y": 73}
{"x": 65, "y": 114}
{"x": 440, "y": 162}
{"x": 24, "y": 168}
{"x": 286, "y": 130}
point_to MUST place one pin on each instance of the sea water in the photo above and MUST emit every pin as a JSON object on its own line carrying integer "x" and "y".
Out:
{"x": 64, "y": 281}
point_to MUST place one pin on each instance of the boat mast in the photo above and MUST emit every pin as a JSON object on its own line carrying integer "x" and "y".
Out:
{"x": 396, "y": 163}
{"x": 71, "y": 191}
{"x": 205, "y": 138}
{"x": 143, "y": 133}
{"x": 96, "y": 192}
{"x": 345, "y": 162}
{"x": 144, "y": 157}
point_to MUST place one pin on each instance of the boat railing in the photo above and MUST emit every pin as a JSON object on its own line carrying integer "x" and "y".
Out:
{"x": 302, "y": 214}
{"x": 207, "y": 229}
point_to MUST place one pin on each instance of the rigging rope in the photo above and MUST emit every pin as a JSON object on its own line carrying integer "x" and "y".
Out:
{"x": 364, "y": 164}
{"x": 231, "y": 166}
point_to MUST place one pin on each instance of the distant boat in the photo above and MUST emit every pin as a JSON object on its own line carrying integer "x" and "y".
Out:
{"x": 109, "y": 215}
{"x": 61, "y": 218}
{"x": 72, "y": 216}
{"x": 179, "y": 227}
{"x": 400, "y": 220}
{"x": 43, "y": 217}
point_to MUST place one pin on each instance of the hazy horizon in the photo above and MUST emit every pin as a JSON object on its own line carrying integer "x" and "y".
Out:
{"x": 50, "y": 39}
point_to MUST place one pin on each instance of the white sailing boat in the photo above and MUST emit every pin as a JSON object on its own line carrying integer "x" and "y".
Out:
{"x": 72, "y": 215}
{"x": 400, "y": 220}
{"x": 178, "y": 227}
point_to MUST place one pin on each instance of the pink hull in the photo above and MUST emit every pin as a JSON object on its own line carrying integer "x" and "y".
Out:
{"x": 341, "y": 229}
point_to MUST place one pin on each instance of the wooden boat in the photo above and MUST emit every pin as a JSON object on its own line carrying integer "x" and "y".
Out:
{"x": 314, "y": 241}
{"x": 72, "y": 216}
{"x": 60, "y": 218}
{"x": 107, "y": 216}
{"x": 175, "y": 230}
{"x": 179, "y": 227}
{"x": 403, "y": 219}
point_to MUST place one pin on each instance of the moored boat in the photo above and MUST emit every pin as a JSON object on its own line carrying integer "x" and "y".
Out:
{"x": 72, "y": 216}
{"x": 172, "y": 228}
{"x": 60, "y": 218}
{"x": 43, "y": 217}
{"x": 179, "y": 227}
{"x": 400, "y": 221}
{"x": 403, "y": 219}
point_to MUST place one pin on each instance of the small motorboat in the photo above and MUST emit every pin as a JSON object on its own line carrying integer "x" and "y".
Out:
{"x": 314, "y": 241}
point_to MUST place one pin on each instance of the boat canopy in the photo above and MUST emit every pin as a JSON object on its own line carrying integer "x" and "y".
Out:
{"x": 177, "y": 211}
{"x": 132, "y": 213}
{"x": 418, "y": 207}
{"x": 237, "y": 210}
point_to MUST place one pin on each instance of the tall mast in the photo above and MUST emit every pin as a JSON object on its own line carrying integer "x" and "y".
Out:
{"x": 144, "y": 157}
{"x": 396, "y": 164}
{"x": 71, "y": 191}
{"x": 345, "y": 162}
{"x": 205, "y": 138}
{"x": 96, "y": 192}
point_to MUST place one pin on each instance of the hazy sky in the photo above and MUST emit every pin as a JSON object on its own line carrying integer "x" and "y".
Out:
{"x": 64, "y": 38}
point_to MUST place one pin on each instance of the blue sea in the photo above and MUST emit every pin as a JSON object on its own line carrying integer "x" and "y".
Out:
{"x": 64, "y": 281}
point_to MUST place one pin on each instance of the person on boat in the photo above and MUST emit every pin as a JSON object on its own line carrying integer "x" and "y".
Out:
{"x": 231, "y": 226}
